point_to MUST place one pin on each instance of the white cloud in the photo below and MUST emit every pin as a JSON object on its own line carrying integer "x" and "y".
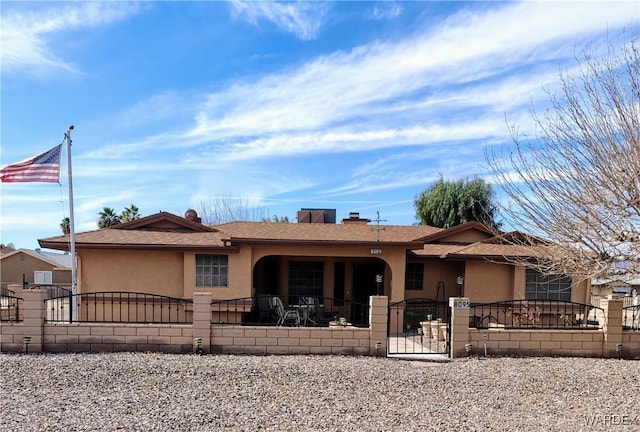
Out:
{"x": 385, "y": 11}
{"x": 301, "y": 18}
{"x": 455, "y": 81}
{"x": 290, "y": 111}
{"x": 24, "y": 34}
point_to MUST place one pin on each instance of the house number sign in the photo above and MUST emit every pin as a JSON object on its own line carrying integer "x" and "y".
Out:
{"x": 376, "y": 251}
{"x": 461, "y": 304}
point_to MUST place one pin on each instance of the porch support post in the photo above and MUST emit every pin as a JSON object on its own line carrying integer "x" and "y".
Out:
{"x": 378, "y": 316}
{"x": 459, "y": 328}
{"x": 202, "y": 319}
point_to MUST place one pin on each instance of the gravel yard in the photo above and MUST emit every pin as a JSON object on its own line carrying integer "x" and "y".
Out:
{"x": 163, "y": 392}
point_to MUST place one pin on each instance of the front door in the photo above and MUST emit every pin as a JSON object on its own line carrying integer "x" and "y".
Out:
{"x": 364, "y": 281}
{"x": 364, "y": 286}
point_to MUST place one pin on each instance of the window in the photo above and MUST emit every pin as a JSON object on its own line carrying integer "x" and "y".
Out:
{"x": 42, "y": 278}
{"x": 544, "y": 287}
{"x": 413, "y": 277}
{"x": 306, "y": 278}
{"x": 212, "y": 270}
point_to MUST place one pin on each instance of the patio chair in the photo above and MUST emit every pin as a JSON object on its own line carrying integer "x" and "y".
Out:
{"x": 285, "y": 316}
{"x": 265, "y": 312}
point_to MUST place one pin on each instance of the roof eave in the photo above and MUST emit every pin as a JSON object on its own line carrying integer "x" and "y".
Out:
{"x": 64, "y": 246}
{"x": 297, "y": 242}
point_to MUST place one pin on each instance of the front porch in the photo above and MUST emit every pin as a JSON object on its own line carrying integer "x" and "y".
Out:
{"x": 290, "y": 311}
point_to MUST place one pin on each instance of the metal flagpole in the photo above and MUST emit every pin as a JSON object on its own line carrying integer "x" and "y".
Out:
{"x": 72, "y": 230}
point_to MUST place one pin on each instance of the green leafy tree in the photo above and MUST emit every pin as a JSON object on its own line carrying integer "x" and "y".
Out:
{"x": 108, "y": 217}
{"x": 130, "y": 213}
{"x": 65, "y": 226}
{"x": 449, "y": 203}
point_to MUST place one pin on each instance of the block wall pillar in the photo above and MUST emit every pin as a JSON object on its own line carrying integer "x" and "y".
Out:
{"x": 612, "y": 327}
{"x": 35, "y": 313}
{"x": 459, "y": 329}
{"x": 378, "y": 317}
{"x": 202, "y": 319}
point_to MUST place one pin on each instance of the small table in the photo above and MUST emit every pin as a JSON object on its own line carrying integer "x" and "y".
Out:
{"x": 307, "y": 313}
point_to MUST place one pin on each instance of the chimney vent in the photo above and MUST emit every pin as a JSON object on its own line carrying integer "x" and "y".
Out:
{"x": 192, "y": 215}
{"x": 354, "y": 218}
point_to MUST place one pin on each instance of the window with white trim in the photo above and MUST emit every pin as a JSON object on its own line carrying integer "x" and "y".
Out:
{"x": 212, "y": 270}
{"x": 42, "y": 278}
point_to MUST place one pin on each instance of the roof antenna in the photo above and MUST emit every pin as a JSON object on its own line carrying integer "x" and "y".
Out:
{"x": 377, "y": 220}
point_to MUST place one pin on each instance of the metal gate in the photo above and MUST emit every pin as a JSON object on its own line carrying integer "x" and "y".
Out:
{"x": 419, "y": 326}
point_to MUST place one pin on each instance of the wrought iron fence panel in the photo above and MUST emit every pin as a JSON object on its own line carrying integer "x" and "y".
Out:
{"x": 53, "y": 291}
{"x": 544, "y": 314}
{"x": 120, "y": 307}
{"x": 11, "y": 308}
{"x": 631, "y": 317}
{"x": 411, "y": 312}
{"x": 303, "y": 311}
{"x": 6, "y": 292}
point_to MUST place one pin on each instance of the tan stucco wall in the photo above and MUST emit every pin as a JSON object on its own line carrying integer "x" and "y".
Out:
{"x": 157, "y": 272}
{"x": 435, "y": 271}
{"x": 239, "y": 276}
{"x": 470, "y": 236}
{"x": 12, "y": 268}
{"x": 519, "y": 282}
{"x": 580, "y": 292}
{"x": 172, "y": 273}
{"x": 486, "y": 282}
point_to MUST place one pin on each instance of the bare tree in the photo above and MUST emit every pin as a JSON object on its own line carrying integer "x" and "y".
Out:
{"x": 222, "y": 209}
{"x": 576, "y": 183}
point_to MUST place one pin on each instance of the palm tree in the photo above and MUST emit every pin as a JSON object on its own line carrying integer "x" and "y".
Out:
{"x": 130, "y": 213}
{"x": 108, "y": 217}
{"x": 65, "y": 226}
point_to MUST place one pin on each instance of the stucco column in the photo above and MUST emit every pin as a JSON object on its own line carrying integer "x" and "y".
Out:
{"x": 459, "y": 330}
{"x": 35, "y": 313}
{"x": 202, "y": 319}
{"x": 16, "y": 288}
{"x": 612, "y": 327}
{"x": 397, "y": 264}
{"x": 378, "y": 315}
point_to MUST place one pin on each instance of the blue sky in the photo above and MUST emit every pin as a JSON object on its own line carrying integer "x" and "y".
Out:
{"x": 356, "y": 106}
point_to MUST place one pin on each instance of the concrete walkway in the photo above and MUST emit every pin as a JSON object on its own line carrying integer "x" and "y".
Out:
{"x": 411, "y": 348}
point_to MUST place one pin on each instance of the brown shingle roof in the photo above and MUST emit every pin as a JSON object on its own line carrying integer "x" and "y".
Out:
{"x": 497, "y": 249}
{"x": 164, "y": 230}
{"x": 167, "y": 231}
{"x": 117, "y": 238}
{"x": 437, "y": 250}
{"x": 488, "y": 248}
{"x": 310, "y": 232}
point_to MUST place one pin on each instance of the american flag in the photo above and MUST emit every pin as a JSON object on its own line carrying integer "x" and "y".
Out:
{"x": 44, "y": 168}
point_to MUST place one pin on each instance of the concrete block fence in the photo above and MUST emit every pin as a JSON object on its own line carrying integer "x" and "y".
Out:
{"x": 610, "y": 341}
{"x": 179, "y": 338}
